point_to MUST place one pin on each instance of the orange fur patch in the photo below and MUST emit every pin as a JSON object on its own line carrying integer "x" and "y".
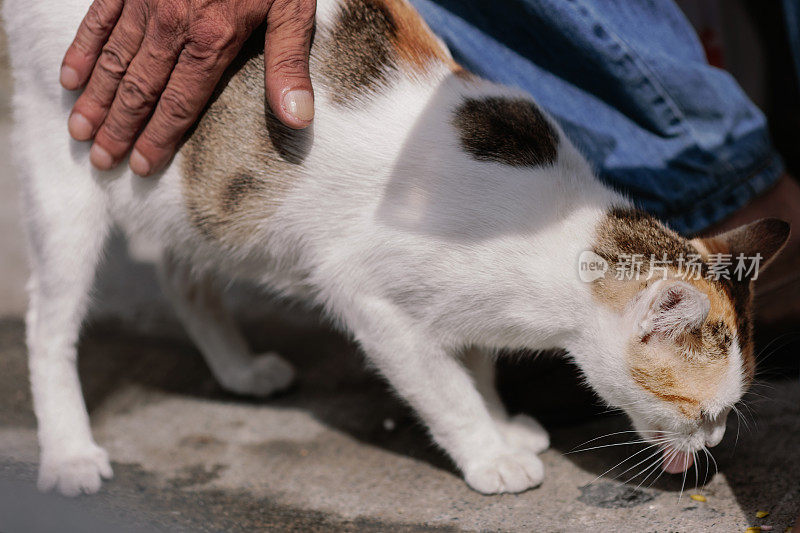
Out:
{"x": 685, "y": 382}
{"x": 414, "y": 41}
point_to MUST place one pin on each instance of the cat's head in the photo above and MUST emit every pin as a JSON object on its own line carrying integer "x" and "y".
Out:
{"x": 676, "y": 346}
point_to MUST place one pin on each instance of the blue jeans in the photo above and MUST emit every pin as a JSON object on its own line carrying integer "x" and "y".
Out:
{"x": 630, "y": 85}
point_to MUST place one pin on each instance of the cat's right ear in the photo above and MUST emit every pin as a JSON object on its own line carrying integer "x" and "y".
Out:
{"x": 765, "y": 237}
{"x": 672, "y": 309}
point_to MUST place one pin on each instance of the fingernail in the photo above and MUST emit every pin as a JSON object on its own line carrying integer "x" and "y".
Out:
{"x": 139, "y": 165}
{"x": 69, "y": 78}
{"x": 100, "y": 158}
{"x": 79, "y": 127}
{"x": 300, "y": 104}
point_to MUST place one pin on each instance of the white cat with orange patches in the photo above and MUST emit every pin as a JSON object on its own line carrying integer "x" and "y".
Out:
{"x": 435, "y": 216}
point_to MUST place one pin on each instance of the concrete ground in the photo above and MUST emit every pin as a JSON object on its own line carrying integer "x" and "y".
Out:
{"x": 338, "y": 452}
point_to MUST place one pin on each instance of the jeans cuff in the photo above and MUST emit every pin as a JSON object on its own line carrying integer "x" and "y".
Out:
{"x": 738, "y": 188}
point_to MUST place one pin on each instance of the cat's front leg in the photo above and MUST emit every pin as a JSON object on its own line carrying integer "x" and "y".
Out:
{"x": 520, "y": 430}
{"x": 440, "y": 389}
{"x": 66, "y": 231}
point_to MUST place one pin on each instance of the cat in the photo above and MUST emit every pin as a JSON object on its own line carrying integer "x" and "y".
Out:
{"x": 435, "y": 216}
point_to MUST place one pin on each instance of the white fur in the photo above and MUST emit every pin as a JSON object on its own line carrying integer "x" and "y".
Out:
{"x": 411, "y": 245}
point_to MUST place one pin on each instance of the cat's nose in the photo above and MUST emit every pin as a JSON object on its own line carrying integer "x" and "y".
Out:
{"x": 714, "y": 427}
{"x": 714, "y": 437}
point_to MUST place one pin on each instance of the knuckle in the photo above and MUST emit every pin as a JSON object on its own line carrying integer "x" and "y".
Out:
{"x": 177, "y": 106}
{"x": 213, "y": 36}
{"x": 111, "y": 61}
{"x": 158, "y": 53}
{"x": 171, "y": 17}
{"x": 289, "y": 63}
{"x": 298, "y": 15}
{"x": 97, "y": 22}
{"x": 301, "y": 10}
{"x": 116, "y": 130}
{"x": 134, "y": 95}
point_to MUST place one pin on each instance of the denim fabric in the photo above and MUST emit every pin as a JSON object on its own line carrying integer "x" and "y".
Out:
{"x": 791, "y": 11}
{"x": 629, "y": 83}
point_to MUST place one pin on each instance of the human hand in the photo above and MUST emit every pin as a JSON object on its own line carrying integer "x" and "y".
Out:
{"x": 150, "y": 66}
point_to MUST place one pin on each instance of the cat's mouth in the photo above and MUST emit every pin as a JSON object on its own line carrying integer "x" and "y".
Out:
{"x": 676, "y": 461}
{"x": 673, "y": 459}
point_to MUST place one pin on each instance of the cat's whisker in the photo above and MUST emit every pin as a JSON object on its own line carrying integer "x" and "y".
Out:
{"x": 686, "y": 469}
{"x": 620, "y": 463}
{"x": 782, "y": 337}
{"x": 752, "y": 416}
{"x": 612, "y": 435}
{"x": 628, "y": 443}
{"x": 762, "y": 383}
{"x": 711, "y": 456}
{"x": 667, "y": 457}
{"x": 786, "y": 338}
{"x": 741, "y": 418}
{"x": 646, "y": 468}
{"x": 645, "y": 440}
{"x": 658, "y": 451}
{"x": 653, "y": 468}
{"x": 738, "y": 427}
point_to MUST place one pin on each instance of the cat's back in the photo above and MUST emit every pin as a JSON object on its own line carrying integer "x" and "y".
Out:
{"x": 375, "y": 66}
{"x": 403, "y": 140}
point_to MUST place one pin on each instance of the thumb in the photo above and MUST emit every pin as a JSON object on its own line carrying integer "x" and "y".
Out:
{"x": 290, "y": 24}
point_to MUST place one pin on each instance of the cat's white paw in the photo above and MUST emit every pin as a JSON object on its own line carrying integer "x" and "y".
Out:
{"x": 524, "y": 433}
{"x": 515, "y": 471}
{"x": 76, "y": 473}
{"x": 265, "y": 375}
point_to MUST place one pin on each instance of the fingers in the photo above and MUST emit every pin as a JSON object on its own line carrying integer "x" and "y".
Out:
{"x": 130, "y": 71}
{"x": 91, "y": 107}
{"x": 89, "y": 40}
{"x": 290, "y": 24}
{"x": 199, "y": 68}
{"x": 137, "y": 95}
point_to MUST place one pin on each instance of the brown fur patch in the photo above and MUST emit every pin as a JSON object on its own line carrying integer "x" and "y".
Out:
{"x": 359, "y": 56}
{"x": 239, "y": 160}
{"x": 688, "y": 376}
{"x": 510, "y": 131}
{"x": 370, "y": 42}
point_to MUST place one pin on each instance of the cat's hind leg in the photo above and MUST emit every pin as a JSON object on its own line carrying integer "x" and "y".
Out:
{"x": 200, "y": 307}
{"x": 520, "y": 430}
{"x": 67, "y": 224}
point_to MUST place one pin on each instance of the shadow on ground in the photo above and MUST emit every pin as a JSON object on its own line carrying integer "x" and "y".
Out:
{"x": 337, "y": 390}
{"x": 757, "y": 458}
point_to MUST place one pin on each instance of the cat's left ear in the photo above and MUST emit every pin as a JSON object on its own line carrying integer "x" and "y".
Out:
{"x": 765, "y": 237}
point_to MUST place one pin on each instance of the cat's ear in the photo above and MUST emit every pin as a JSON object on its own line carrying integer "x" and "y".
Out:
{"x": 675, "y": 308}
{"x": 765, "y": 237}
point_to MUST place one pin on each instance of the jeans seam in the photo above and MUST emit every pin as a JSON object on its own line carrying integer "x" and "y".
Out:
{"x": 647, "y": 73}
{"x": 770, "y": 164}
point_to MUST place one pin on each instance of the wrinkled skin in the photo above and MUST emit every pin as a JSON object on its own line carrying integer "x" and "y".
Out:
{"x": 148, "y": 67}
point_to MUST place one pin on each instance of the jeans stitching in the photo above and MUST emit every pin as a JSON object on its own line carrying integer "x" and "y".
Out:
{"x": 768, "y": 169}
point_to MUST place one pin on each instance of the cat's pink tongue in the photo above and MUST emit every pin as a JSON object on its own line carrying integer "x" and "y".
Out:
{"x": 676, "y": 461}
